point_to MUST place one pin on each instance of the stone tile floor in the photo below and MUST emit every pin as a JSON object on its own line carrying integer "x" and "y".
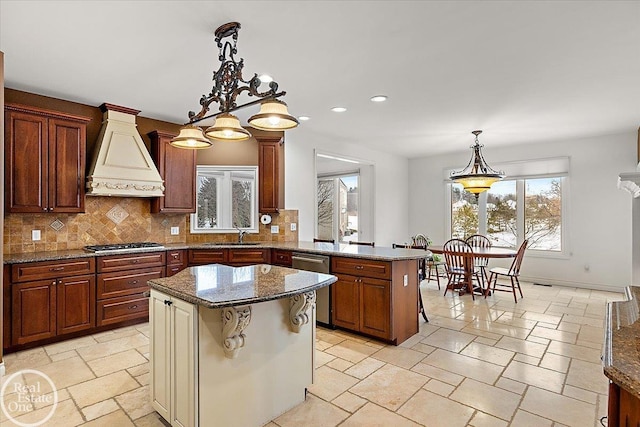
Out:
{"x": 476, "y": 363}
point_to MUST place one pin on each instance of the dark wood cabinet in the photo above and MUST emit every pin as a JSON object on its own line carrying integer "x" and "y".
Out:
{"x": 121, "y": 284}
{"x": 177, "y": 167}
{"x": 207, "y": 256}
{"x": 239, "y": 257}
{"x": 45, "y": 155}
{"x": 376, "y": 298}
{"x": 176, "y": 261}
{"x": 281, "y": 257}
{"x": 270, "y": 174}
{"x": 52, "y": 298}
{"x": 623, "y": 407}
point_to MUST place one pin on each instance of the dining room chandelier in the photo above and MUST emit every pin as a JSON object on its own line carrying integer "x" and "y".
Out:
{"x": 228, "y": 84}
{"x": 477, "y": 176}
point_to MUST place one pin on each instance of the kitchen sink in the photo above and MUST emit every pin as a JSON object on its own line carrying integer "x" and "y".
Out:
{"x": 232, "y": 243}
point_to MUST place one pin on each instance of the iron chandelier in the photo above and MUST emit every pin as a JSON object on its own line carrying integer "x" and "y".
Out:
{"x": 228, "y": 83}
{"x": 477, "y": 176}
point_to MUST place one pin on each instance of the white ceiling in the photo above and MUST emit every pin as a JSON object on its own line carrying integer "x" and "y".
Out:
{"x": 523, "y": 71}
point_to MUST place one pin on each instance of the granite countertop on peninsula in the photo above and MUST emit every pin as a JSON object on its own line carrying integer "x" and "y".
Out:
{"x": 351, "y": 251}
{"x": 621, "y": 359}
{"x": 217, "y": 285}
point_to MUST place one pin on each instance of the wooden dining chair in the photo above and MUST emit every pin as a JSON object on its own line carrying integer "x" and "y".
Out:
{"x": 353, "y": 242}
{"x": 512, "y": 273}
{"x": 421, "y": 266}
{"x": 480, "y": 241}
{"x": 458, "y": 258}
{"x": 332, "y": 241}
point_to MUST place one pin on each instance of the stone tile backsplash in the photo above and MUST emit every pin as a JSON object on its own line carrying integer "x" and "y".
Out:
{"x": 121, "y": 220}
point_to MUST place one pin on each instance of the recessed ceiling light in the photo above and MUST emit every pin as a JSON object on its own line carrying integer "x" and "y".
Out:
{"x": 338, "y": 109}
{"x": 303, "y": 118}
{"x": 265, "y": 78}
{"x": 379, "y": 98}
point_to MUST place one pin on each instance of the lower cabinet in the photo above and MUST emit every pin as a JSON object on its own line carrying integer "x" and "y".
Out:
{"x": 624, "y": 407}
{"x": 173, "y": 359}
{"x": 376, "y": 298}
{"x": 47, "y": 308}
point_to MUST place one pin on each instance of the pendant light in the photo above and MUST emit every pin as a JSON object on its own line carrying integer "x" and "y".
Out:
{"x": 477, "y": 176}
{"x": 228, "y": 83}
{"x": 191, "y": 136}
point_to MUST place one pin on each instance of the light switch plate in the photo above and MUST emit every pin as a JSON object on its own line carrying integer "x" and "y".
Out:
{"x": 294, "y": 226}
{"x": 175, "y": 231}
{"x": 275, "y": 229}
{"x": 35, "y": 235}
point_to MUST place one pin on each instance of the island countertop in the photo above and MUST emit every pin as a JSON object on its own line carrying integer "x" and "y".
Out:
{"x": 217, "y": 285}
{"x": 621, "y": 359}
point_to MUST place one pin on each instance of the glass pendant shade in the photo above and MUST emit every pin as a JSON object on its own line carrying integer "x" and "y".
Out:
{"x": 191, "y": 136}
{"x": 227, "y": 128}
{"x": 477, "y": 176}
{"x": 273, "y": 115}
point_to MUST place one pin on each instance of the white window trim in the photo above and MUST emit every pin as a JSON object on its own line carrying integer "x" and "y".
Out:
{"x": 566, "y": 251}
{"x": 224, "y": 194}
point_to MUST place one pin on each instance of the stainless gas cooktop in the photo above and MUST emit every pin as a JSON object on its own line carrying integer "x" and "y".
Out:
{"x": 122, "y": 247}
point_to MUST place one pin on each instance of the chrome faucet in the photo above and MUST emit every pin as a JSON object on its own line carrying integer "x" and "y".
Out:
{"x": 241, "y": 234}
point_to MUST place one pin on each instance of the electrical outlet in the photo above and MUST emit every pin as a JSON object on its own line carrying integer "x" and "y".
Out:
{"x": 406, "y": 280}
{"x": 275, "y": 229}
{"x": 175, "y": 231}
{"x": 35, "y": 235}
{"x": 294, "y": 226}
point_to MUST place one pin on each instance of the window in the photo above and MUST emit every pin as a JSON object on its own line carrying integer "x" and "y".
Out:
{"x": 511, "y": 211}
{"x": 338, "y": 207}
{"x": 226, "y": 199}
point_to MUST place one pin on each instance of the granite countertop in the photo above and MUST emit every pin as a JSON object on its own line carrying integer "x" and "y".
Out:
{"x": 351, "y": 251}
{"x": 621, "y": 359}
{"x": 217, "y": 285}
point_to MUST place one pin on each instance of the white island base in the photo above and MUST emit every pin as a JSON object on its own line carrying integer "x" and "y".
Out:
{"x": 262, "y": 372}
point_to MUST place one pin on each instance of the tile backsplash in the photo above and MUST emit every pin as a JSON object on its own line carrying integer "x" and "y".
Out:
{"x": 121, "y": 220}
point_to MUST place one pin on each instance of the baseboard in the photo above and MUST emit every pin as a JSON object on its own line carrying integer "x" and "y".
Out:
{"x": 572, "y": 284}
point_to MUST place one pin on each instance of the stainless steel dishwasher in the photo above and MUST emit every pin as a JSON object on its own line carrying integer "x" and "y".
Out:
{"x": 317, "y": 264}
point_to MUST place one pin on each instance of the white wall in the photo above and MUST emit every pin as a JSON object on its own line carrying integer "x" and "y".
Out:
{"x": 599, "y": 213}
{"x": 390, "y": 184}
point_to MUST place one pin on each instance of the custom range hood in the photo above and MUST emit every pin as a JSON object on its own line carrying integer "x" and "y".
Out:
{"x": 121, "y": 164}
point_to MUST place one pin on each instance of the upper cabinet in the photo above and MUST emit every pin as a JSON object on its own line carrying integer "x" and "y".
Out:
{"x": 271, "y": 173}
{"x": 45, "y": 155}
{"x": 177, "y": 167}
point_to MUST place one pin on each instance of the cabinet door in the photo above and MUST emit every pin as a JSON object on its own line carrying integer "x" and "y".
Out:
{"x": 160, "y": 353}
{"x": 26, "y": 149}
{"x": 177, "y": 167}
{"x": 207, "y": 256}
{"x": 248, "y": 256}
{"x": 67, "y": 153}
{"x": 33, "y": 311}
{"x": 184, "y": 350}
{"x": 76, "y": 304}
{"x": 280, "y": 257}
{"x": 271, "y": 178}
{"x": 375, "y": 307}
{"x": 346, "y": 302}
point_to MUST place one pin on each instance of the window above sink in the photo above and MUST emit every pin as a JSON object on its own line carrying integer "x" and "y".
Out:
{"x": 226, "y": 199}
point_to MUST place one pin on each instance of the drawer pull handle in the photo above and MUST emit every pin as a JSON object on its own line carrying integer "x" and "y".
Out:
{"x": 133, "y": 282}
{"x": 133, "y": 307}
{"x": 359, "y": 267}
{"x": 167, "y": 302}
{"x": 56, "y": 269}
{"x": 175, "y": 256}
{"x": 134, "y": 261}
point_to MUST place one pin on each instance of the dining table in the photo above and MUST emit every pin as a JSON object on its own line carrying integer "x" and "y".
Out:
{"x": 478, "y": 252}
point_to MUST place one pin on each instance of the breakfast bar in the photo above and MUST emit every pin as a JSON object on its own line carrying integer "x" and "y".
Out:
{"x": 232, "y": 346}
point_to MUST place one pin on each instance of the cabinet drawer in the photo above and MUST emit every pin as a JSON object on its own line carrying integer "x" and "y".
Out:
{"x": 361, "y": 267}
{"x": 118, "y": 284}
{"x": 51, "y": 269}
{"x": 177, "y": 257}
{"x": 207, "y": 256}
{"x": 124, "y": 262}
{"x": 115, "y": 310}
{"x": 173, "y": 269}
{"x": 249, "y": 256}
{"x": 280, "y": 257}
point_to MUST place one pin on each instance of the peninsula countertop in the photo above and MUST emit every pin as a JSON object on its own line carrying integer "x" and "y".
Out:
{"x": 621, "y": 359}
{"x": 217, "y": 285}
{"x": 352, "y": 251}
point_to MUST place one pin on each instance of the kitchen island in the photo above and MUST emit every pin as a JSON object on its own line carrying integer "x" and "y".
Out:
{"x": 232, "y": 346}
